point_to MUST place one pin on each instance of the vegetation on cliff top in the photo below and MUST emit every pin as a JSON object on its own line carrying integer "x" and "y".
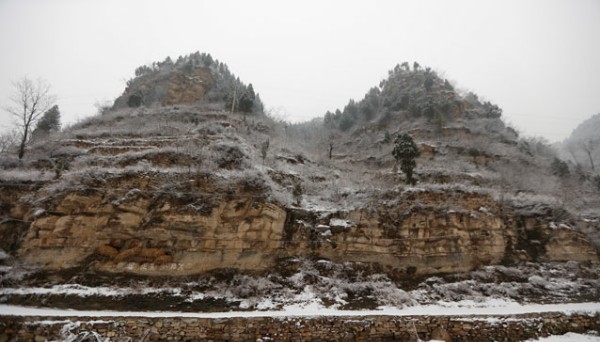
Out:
{"x": 169, "y": 83}
{"x": 419, "y": 92}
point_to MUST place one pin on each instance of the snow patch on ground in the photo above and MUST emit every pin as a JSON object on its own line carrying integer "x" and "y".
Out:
{"x": 328, "y": 285}
{"x": 334, "y": 222}
{"x": 314, "y": 309}
{"x": 86, "y": 291}
{"x": 568, "y": 337}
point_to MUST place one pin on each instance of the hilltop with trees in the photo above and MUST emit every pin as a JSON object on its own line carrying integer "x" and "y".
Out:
{"x": 419, "y": 93}
{"x": 192, "y": 78}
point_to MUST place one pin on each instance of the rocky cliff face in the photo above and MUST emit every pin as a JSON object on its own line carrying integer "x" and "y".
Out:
{"x": 408, "y": 238}
{"x": 128, "y": 226}
{"x": 167, "y": 88}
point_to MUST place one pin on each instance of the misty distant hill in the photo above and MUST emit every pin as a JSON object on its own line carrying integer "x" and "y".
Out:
{"x": 587, "y": 130}
{"x": 582, "y": 147}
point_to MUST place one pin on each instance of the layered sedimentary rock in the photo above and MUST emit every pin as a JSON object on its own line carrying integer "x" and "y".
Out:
{"x": 127, "y": 225}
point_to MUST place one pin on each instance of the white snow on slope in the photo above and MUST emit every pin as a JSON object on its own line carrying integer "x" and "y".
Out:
{"x": 568, "y": 337}
{"x": 448, "y": 309}
{"x": 84, "y": 291}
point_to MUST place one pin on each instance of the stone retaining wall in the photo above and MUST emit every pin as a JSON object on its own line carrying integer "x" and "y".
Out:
{"x": 368, "y": 328}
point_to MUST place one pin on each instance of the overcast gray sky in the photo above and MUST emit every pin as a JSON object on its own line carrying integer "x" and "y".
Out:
{"x": 538, "y": 60}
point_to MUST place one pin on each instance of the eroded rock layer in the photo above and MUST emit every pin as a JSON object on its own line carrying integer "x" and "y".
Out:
{"x": 164, "y": 224}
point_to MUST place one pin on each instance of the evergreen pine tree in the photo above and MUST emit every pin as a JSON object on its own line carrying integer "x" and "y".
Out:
{"x": 559, "y": 168}
{"x": 50, "y": 121}
{"x": 406, "y": 151}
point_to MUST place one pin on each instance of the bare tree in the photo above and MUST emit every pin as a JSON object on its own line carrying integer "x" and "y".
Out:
{"x": 571, "y": 149}
{"x": 588, "y": 147}
{"x": 28, "y": 103}
{"x": 330, "y": 149}
{"x": 331, "y": 142}
{"x": 264, "y": 148}
{"x": 8, "y": 140}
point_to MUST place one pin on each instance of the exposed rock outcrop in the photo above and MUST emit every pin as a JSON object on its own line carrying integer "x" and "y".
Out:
{"x": 167, "y": 88}
{"x": 126, "y": 226}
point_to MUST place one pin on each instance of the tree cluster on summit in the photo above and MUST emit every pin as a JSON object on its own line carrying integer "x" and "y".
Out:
{"x": 225, "y": 86}
{"x": 420, "y": 92}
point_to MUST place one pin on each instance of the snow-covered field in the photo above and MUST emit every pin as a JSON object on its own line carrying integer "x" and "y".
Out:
{"x": 463, "y": 308}
{"x": 319, "y": 284}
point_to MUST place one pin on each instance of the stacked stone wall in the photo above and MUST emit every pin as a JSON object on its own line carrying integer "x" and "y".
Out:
{"x": 368, "y": 328}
